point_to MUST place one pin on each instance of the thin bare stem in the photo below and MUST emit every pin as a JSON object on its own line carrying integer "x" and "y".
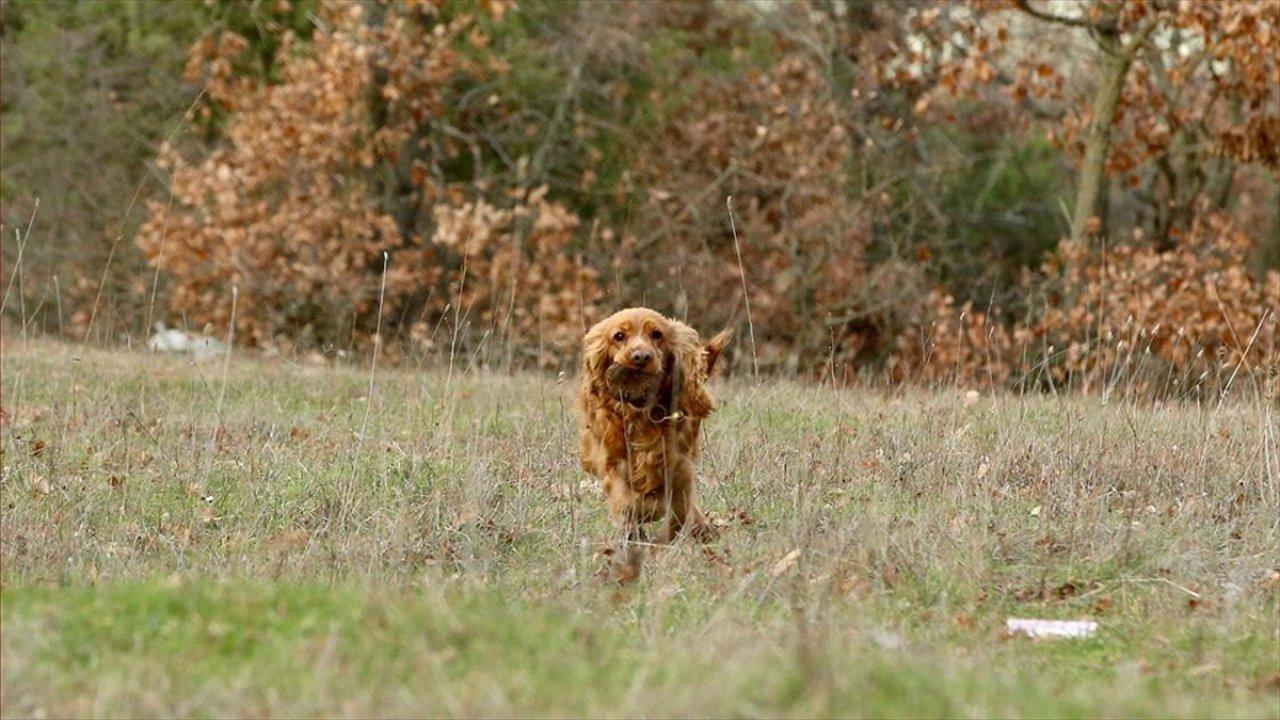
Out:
{"x": 746, "y": 296}
{"x": 226, "y": 357}
{"x": 377, "y": 347}
{"x": 155, "y": 278}
{"x": 22, "y": 244}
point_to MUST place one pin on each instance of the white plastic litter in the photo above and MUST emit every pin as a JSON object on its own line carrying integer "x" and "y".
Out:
{"x": 887, "y": 640}
{"x": 1051, "y": 628}
{"x": 172, "y": 340}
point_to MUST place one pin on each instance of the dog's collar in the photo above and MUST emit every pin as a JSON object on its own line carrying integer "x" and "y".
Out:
{"x": 658, "y": 414}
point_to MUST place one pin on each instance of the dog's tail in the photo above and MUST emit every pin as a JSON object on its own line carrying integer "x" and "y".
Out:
{"x": 715, "y": 347}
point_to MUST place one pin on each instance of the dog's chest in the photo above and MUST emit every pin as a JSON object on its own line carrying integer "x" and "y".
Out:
{"x": 646, "y": 457}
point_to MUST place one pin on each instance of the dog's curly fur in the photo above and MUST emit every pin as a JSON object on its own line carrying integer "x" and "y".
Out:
{"x": 641, "y": 401}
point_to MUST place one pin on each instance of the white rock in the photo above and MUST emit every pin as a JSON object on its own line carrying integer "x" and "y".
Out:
{"x": 172, "y": 340}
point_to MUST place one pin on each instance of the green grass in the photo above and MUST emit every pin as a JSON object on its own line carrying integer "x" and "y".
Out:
{"x": 169, "y": 554}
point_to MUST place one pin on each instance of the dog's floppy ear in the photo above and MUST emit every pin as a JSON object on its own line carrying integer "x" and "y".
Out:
{"x": 691, "y": 360}
{"x": 715, "y": 347}
{"x": 595, "y": 355}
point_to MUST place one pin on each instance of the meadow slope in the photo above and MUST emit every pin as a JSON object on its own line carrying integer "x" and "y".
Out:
{"x": 279, "y": 541}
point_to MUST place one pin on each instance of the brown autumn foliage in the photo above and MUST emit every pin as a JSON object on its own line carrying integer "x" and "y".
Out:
{"x": 287, "y": 209}
{"x": 775, "y": 143}
{"x": 1186, "y": 316}
{"x": 519, "y": 275}
{"x": 1173, "y": 309}
{"x": 281, "y": 210}
{"x": 1188, "y": 320}
{"x": 520, "y": 170}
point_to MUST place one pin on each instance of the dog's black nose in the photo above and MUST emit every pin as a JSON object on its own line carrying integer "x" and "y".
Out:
{"x": 641, "y": 357}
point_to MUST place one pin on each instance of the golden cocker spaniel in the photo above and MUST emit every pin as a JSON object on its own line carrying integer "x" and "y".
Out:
{"x": 641, "y": 401}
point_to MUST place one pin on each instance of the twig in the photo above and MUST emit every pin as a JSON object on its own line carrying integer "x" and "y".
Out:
{"x": 57, "y": 296}
{"x": 1222, "y": 395}
{"x": 377, "y": 346}
{"x": 22, "y": 244}
{"x": 453, "y": 344}
{"x": 1171, "y": 584}
{"x": 746, "y": 296}
{"x": 226, "y": 357}
{"x": 155, "y": 278}
{"x": 346, "y": 495}
{"x": 106, "y": 269}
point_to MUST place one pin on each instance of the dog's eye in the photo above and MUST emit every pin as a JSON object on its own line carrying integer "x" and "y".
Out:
{"x": 657, "y": 335}
{"x": 619, "y": 336}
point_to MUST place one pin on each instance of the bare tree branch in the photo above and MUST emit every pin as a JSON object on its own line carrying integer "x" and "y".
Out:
{"x": 1103, "y": 26}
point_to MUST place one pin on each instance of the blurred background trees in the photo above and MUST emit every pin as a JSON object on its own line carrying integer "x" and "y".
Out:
{"x": 997, "y": 191}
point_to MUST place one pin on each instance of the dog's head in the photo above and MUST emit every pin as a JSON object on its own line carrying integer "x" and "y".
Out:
{"x": 633, "y": 356}
{"x": 628, "y": 354}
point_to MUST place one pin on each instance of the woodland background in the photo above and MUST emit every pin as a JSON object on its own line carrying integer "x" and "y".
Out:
{"x": 1037, "y": 194}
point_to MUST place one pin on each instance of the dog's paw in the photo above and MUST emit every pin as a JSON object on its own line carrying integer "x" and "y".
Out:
{"x": 703, "y": 531}
{"x": 621, "y": 566}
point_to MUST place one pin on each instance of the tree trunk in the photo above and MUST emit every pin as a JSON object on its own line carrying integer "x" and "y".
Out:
{"x": 1115, "y": 65}
{"x": 1117, "y": 56}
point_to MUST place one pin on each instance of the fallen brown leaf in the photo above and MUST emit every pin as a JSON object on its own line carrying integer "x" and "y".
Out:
{"x": 787, "y": 562}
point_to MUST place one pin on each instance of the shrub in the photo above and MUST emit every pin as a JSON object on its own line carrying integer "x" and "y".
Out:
{"x": 1178, "y": 322}
{"x": 322, "y": 173}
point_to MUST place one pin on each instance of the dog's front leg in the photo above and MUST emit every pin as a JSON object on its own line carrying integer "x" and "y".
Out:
{"x": 625, "y": 507}
{"x": 624, "y": 503}
{"x": 683, "y": 512}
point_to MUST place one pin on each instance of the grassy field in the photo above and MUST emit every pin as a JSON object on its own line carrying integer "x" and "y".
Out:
{"x": 278, "y": 540}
